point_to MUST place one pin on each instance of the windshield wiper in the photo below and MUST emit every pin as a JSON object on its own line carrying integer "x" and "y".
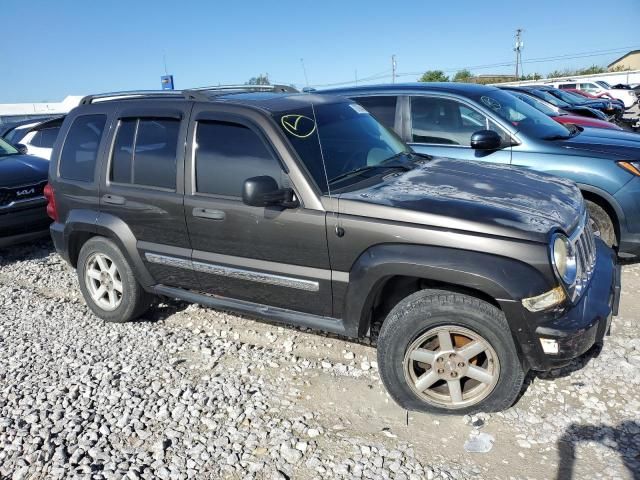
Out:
{"x": 366, "y": 168}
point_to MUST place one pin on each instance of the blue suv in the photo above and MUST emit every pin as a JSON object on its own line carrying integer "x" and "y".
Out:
{"x": 477, "y": 122}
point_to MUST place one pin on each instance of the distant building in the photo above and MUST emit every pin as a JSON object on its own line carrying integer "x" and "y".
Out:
{"x": 493, "y": 78}
{"x": 629, "y": 61}
{"x": 16, "y": 112}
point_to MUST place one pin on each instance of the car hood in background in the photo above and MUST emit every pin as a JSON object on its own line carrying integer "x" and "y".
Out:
{"x": 472, "y": 196}
{"x": 17, "y": 170}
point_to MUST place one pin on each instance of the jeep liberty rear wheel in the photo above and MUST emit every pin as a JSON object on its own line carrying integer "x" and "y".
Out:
{"x": 108, "y": 284}
{"x": 601, "y": 223}
{"x": 446, "y": 352}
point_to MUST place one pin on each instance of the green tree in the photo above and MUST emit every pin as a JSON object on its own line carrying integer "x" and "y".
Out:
{"x": 433, "y": 76}
{"x": 463, "y": 75}
{"x": 259, "y": 80}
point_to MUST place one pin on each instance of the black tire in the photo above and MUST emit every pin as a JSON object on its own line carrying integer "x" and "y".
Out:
{"x": 429, "y": 309}
{"x": 602, "y": 224}
{"x": 133, "y": 301}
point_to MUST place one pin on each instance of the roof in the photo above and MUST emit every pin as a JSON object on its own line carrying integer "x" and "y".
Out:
{"x": 273, "y": 98}
{"x": 632, "y": 52}
{"x": 279, "y": 102}
{"x": 449, "y": 87}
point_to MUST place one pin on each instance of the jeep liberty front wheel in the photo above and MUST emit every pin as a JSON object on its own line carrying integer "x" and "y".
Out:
{"x": 108, "y": 284}
{"x": 445, "y": 352}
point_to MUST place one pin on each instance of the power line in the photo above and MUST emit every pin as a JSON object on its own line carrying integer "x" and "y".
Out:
{"x": 509, "y": 63}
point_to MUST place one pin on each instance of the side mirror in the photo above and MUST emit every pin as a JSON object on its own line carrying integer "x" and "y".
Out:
{"x": 263, "y": 191}
{"x": 22, "y": 148}
{"x": 486, "y": 140}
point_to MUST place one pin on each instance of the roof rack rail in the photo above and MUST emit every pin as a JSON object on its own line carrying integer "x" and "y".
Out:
{"x": 247, "y": 87}
{"x": 198, "y": 93}
{"x": 88, "y": 99}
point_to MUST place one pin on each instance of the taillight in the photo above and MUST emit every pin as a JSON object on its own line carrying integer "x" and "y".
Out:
{"x": 52, "y": 210}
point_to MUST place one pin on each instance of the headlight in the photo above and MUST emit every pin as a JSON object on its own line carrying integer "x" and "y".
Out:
{"x": 564, "y": 258}
{"x": 631, "y": 167}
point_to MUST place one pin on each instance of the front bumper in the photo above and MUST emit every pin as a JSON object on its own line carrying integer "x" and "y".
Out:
{"x": 24, "y": 224}
{"x": 578, "y": 327}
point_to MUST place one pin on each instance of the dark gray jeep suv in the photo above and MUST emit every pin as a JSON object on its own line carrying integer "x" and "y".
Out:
{"x": 303, "y": 209}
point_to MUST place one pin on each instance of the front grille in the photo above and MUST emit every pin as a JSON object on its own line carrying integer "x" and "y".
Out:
{"x": 585, "y": 247}
{"x": 9, "y": 195}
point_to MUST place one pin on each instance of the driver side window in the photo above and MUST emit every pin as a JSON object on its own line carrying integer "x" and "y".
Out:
{"x": 447, "y": 122}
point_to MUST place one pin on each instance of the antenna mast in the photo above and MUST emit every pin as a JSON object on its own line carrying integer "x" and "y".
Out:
{"x": 394, "y": 65}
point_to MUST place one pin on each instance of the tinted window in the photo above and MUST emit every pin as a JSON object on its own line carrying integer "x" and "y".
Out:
{"x": 145, "y": 152}
{"x": 45, "y": 138}
{"x": 227, "y": 154}
{"x": 78, "y": 158}
{"x": 382, "y": 108}
{"x": 121, "y": 160}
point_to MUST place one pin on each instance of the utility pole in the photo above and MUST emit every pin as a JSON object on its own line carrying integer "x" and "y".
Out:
{"x": 518, "y": 48}
{"x": 394, "y": 65}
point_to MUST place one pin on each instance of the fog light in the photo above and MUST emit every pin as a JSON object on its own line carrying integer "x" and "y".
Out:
{"x": 549, "y": 345}
{"x": 546, "y": 300}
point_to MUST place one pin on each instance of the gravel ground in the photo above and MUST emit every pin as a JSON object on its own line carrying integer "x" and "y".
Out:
{"x": 189, "y": 392}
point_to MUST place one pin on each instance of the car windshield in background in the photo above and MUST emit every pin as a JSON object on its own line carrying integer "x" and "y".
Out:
{"x": 351, "y": 140}
{"x": 524, "y": 117}
{"x": 570, "y": 98}
{"x": 6, "y": 148}
{"x": 555, "y": 101}
{"x": 535, "y": 103}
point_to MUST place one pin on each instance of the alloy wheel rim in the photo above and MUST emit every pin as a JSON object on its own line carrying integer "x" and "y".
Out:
{"x": 451, "y": 367}
{"x": 103, "y": 281}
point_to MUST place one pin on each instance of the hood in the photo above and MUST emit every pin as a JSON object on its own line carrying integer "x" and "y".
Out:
{"x": 475, "y": 196}
{"x": 17, "y": 170}
{"x": 586, "y": 122}
{"x": 613, "y": 144}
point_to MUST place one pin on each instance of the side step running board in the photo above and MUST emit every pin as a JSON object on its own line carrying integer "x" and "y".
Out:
{"x": 282, "y": 315}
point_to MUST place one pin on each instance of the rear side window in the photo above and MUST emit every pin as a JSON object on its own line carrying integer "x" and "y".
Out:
{"x": 227, "y": 154}
{"x": 78, "y": 158}
{"x": 382, "y": 108}
{"x": 145, "y": 151}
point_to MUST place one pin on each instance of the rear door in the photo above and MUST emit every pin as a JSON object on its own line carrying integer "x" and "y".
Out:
{"x": 142, "y": 185}
{"x": 442, "y": 126}
{"x": 265, "y": 255}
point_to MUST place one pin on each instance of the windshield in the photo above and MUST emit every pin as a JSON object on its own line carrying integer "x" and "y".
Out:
{"x": 570, "y": 98}
{"x": 536, "y": 103}
{"x": 351, "y": 139}
{"x": 555, "y": 101}
{"x": 524, "y": 117}
{"x": 6, "y": 148}
{"x": 604, "y": 84}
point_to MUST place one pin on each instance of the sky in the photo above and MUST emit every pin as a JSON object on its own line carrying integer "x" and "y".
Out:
{"x": 51, "y": 49}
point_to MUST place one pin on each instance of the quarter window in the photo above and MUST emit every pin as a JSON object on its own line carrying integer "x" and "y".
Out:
{"x": 145, "y": 152}
{"x": 227, "y": 154}
{"x": 447, "y": 122}
{"x": 382, "y": 108}
{"x": 78, "y": 157}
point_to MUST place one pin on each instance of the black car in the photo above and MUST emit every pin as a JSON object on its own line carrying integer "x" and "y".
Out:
{"x": 22, "y": 205}
{"x": 304, "y": 209}
{"x": 557, "y": 102}
{"x": 613, "y": 110}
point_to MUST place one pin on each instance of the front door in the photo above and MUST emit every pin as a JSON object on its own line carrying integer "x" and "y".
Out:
{"x": 442, "y": 127}
{"x": 268, "y": 255}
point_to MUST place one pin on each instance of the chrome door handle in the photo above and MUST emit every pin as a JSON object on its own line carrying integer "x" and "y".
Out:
{"x": 209, "y": 213}
{"x": 114, "y": 199}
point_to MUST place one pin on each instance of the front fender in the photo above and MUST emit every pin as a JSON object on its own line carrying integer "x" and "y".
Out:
{"x": 501, "y": 278}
